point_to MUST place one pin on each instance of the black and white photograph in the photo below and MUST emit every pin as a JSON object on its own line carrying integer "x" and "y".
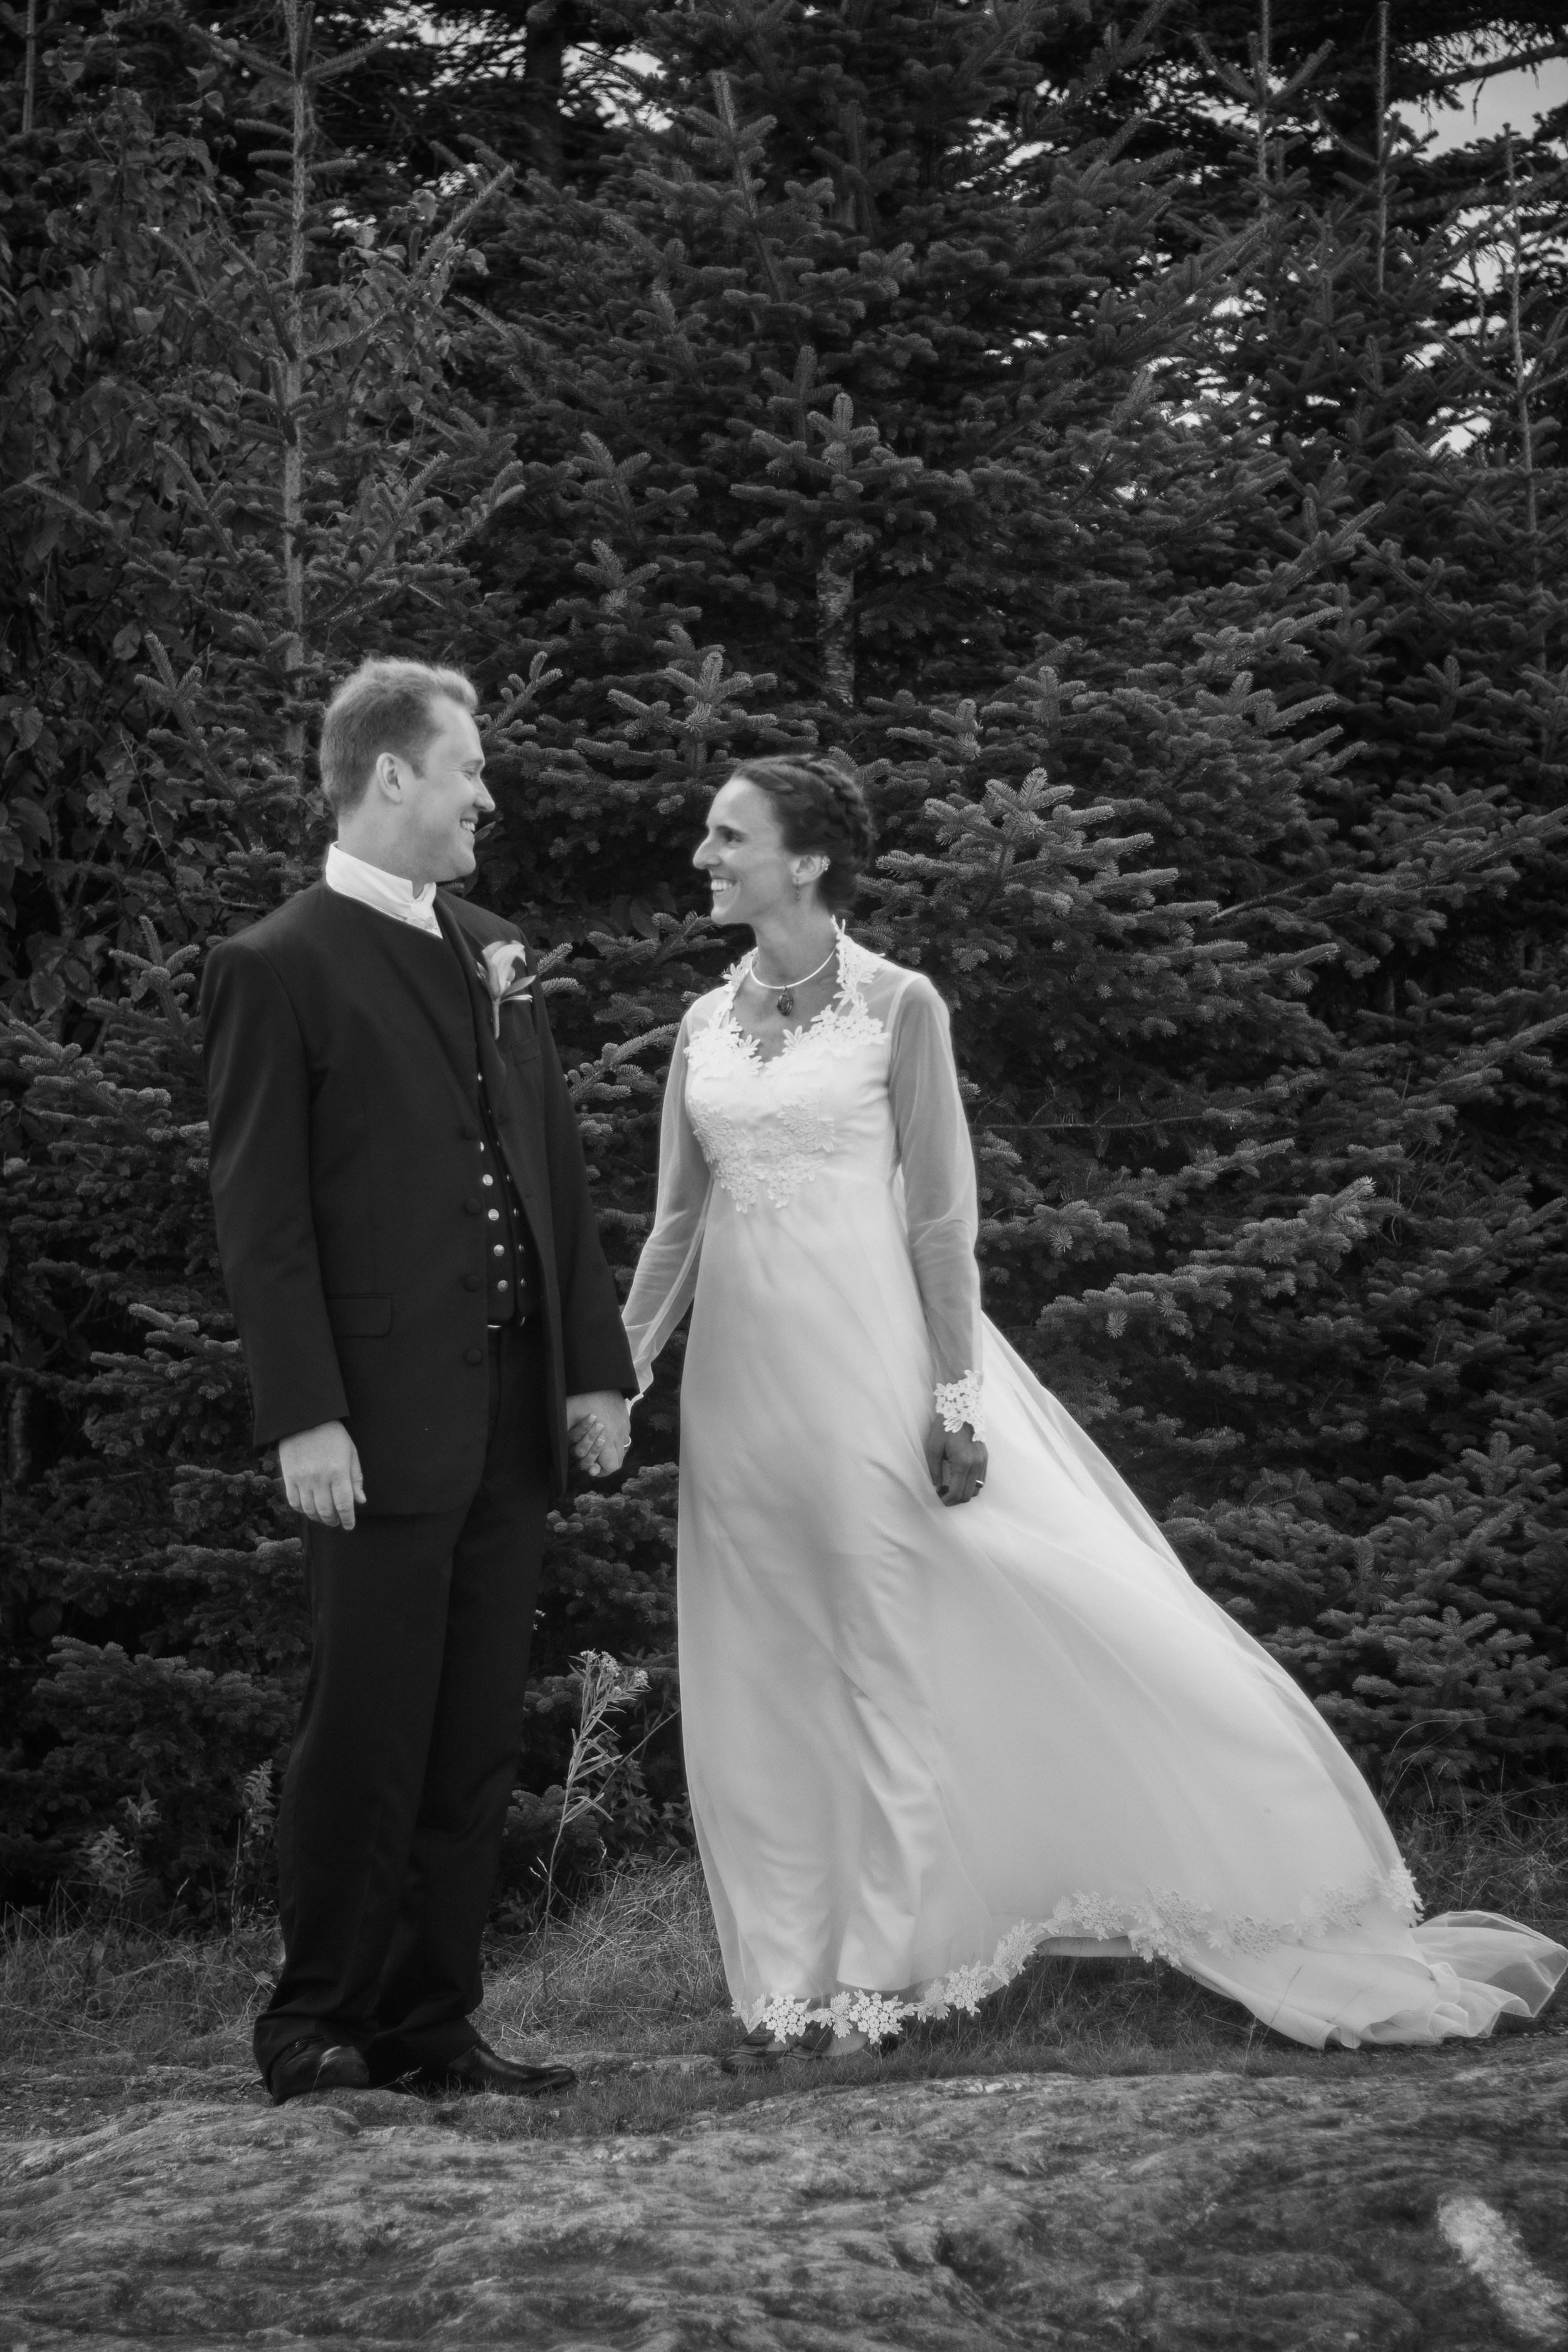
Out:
{"x": 783, "y": 1175}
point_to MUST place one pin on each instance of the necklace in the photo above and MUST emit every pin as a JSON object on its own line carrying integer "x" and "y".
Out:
{"x": 786, "y": 989}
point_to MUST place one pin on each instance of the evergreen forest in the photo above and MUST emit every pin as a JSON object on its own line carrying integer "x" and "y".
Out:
{"x": 1127, "y": 442}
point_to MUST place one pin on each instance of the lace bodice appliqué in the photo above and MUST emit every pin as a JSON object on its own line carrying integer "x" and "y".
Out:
{"x": 765, "y": 1126}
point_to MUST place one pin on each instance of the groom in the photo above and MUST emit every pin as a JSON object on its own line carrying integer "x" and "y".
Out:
{"x": 410, "y": 1251}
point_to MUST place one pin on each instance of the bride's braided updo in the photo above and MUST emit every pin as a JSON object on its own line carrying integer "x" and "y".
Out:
{"x": 821, "y": 812}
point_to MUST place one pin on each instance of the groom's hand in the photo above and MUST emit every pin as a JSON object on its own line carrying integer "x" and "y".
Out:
{"x": 956, "y": 1460}
{"x": 321, "y": 1473}
{"x": 599, "y": 1426}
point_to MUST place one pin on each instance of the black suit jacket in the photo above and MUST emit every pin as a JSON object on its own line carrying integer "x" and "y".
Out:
{"x": 345, "y": 1169}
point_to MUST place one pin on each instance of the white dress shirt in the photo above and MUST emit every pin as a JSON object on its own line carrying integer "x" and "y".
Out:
{"x": 389, "y": 894}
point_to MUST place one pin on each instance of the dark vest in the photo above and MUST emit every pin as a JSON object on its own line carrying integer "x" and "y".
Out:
{"x": 511, "y": 1273}
{"x": 511, "y": 1280}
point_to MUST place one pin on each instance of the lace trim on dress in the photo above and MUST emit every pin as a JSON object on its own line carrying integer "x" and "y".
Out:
{"x": 769, "y": 1157}
{"x": 750, "y": 1160}
{"x": 958, "y": 1401}
{"x": 1164, "y": 1927}
{"x": 846, "y": 1022}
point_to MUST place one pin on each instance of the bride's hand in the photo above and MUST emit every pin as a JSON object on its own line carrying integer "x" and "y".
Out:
{"x": 599, "y": 1429}
{"x": 956, "y": 1460}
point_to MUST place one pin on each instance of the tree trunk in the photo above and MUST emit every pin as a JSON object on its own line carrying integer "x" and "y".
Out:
{"x": 1522, "y": 390}
{"x": 553, "y": 26}
{"x": 30, "y": 71}
{"x": 1381, "y": 144}
{"x": 835, "y": 629}
{"x": 18, "y": 1439}
{"x": 297, "y": 17}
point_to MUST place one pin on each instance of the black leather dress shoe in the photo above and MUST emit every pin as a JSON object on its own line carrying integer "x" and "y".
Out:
{"x": 316, "y": 2066}
{"x": 483, "y": 2069}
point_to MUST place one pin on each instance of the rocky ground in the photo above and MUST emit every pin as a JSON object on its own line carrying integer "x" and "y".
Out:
{"x": 1411, "y": 2201}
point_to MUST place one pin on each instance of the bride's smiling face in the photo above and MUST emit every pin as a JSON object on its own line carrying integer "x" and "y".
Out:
{"x": 749, "y": 870}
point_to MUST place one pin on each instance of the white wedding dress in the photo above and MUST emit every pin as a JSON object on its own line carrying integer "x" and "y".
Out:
{"x": 922, "y": 1742}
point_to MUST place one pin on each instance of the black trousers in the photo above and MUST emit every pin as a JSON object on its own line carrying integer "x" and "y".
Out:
{"x": 394, "y": 1801}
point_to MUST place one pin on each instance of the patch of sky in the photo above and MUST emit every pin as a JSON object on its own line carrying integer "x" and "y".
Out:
{"x": 1515, "y": 100}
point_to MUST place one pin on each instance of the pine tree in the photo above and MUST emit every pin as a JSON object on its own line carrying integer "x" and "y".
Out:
{"x": 882, "y": 387}
{"x": 1439, "y": 853}
{"x": 1171, "y": 545}
{"x": 241, "y": 465}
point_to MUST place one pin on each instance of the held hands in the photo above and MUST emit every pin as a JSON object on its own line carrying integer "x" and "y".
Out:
{"x": 321, "y": 1473}
{"x": 600, "y": 1428}
{"x": 956, "y": 1460}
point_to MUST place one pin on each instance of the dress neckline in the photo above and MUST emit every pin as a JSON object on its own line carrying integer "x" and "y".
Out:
{"x": 847, "y": 999}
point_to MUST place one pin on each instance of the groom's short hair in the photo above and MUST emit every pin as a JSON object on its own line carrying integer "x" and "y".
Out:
{"x": 387, "y": 705}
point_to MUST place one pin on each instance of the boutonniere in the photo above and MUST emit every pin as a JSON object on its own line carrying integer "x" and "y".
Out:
{"x": 505, "y": 973}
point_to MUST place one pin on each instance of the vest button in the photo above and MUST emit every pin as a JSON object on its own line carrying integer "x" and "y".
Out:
{"x": 469, "y": 1133}
{"x": 474, "y": 1356}
{"x": 471, "y": 1281}
{"x": 472, "y": 1208}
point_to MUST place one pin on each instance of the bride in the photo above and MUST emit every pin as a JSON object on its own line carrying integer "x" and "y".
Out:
{"x": 950, "y": 1699}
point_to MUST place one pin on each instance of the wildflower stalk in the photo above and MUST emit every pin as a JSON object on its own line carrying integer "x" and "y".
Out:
{"x": 606, "y": 1685}
{"x": 257, "y": 1815}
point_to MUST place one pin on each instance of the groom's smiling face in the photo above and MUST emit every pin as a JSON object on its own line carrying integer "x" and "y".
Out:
{"x": 444, "y": 796}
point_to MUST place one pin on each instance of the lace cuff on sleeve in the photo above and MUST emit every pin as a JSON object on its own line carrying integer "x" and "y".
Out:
{"x": 958, "y": 1401}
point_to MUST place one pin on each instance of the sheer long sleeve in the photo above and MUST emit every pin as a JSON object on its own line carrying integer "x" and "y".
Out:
{"x": 666, "y": 1277}
{"x": 937, "y": 1161}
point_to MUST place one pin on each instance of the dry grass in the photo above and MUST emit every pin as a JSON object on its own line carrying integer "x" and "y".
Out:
{"x": 636, "y": 1966}
{"x": 84, "y": 1988}
{"x": 633, "y": 1978}
{"x": 1493, "y": 1854}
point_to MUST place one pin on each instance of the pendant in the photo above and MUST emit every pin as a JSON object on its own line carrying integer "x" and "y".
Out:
{"x": 786, "y": 1001}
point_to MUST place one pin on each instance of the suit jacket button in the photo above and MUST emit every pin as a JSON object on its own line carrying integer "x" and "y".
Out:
{"x": 472, "y": 1208}
{"x": 471, "y": 1281}
{"x": 474, "y": 1356}
{"x": 469, "y": 1133}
